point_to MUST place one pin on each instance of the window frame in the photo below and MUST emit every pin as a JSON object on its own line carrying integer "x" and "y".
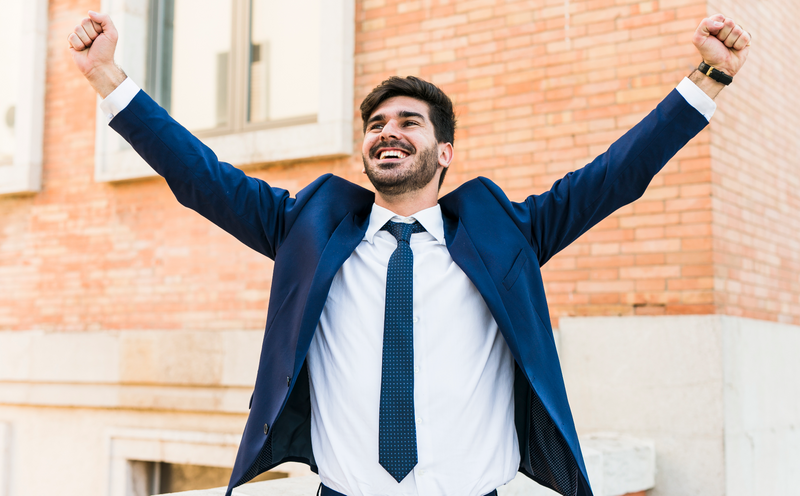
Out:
{"x": 24, "y": 175}
{"x": 329, "y": 135}
{"x": 129, "y": 444}
{"x": 163, "y": 445}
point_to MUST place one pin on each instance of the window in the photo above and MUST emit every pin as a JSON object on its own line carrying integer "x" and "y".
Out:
{"x": 246, "y": 76}
{"x": 22, "y": 97}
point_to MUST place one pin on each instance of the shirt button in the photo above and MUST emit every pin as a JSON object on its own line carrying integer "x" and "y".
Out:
{"x": 419, "y": 420}
{"x": 421, "y": 471}
{"x": 416, "y": 369}
{"x": 416, "y": 319}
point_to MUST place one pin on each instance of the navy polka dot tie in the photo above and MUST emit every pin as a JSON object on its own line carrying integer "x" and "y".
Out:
{"x": 397, "y": 431}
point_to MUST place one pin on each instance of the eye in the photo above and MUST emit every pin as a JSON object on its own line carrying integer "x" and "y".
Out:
{"x": 375, "y": 127}
{"x": 411, "y": 123}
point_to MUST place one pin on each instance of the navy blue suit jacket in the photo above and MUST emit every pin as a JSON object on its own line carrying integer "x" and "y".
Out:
{"x": 499, "y": 244}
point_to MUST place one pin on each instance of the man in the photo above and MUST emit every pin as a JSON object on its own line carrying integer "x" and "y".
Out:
{"x": 408, "y": 348}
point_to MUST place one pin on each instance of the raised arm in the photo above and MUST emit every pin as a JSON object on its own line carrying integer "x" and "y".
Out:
{"x": 619, "y": 176}
{"x": 249, "y": 209}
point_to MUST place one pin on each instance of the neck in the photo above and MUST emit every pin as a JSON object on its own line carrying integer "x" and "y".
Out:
{"x": 408, "y": 204}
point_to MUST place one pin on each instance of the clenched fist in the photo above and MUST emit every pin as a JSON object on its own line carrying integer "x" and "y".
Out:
{"x": 92, "y": 44}
{"x": 722, "y": 43}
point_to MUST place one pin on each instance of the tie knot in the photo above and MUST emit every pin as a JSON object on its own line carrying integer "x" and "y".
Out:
{"x": 403, "y": 231}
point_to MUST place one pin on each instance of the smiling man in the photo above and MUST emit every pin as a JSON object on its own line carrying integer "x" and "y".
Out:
{"x": 408, "y": 347}
{"x": 408, "y": 143}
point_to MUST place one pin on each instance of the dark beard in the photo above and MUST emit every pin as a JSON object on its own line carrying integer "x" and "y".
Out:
{"x": 417, "y": 177}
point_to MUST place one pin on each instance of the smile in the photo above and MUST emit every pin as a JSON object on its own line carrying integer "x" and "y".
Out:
{"x": 392, "y": 154}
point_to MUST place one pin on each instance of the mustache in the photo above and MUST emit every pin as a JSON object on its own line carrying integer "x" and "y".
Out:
{"x": 391, "y": 144}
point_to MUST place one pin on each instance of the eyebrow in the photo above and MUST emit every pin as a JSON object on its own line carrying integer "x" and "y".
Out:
{"x": 403, "y": 113}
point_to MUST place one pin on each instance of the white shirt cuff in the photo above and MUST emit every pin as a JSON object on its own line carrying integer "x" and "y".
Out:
{"x": 118, "y": 99}
{"x": 697, "y": 98}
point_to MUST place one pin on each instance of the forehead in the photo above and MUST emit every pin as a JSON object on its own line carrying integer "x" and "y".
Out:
{"x": 391, "y": 107}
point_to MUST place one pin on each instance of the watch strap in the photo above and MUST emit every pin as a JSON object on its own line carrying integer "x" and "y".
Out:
{"x": 715, "y": 74}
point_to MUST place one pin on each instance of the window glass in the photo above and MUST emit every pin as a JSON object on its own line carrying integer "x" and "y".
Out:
{"x": 9, "y": 59}
{"x": 284, "y": 59}
{"x": 189, "y": 60}
{"x": 257, "y": 80}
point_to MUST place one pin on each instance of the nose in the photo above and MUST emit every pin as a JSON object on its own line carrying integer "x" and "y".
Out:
{"x": 390, "y": 130}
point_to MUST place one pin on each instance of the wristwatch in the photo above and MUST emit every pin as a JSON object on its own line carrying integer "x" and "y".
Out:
{"x": 715, "y": 74}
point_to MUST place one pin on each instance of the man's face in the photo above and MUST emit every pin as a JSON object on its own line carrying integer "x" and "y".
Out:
{"x": 400, "y": 150}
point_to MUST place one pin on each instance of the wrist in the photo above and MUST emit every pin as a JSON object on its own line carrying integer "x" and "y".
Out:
{"x": 105, "y": 78}
{"x": 716, "y": 73}
{"x": 705, "y": 83}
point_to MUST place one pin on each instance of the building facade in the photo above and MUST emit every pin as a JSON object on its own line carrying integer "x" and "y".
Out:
{"x": 130, "y": 327}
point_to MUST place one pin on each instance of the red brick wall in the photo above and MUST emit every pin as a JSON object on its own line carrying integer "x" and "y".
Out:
{"x": 538, "y": 94}
{"x": 755, "y": 151}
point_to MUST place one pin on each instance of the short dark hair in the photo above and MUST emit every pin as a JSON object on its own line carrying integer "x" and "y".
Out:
{"x": 440, "y": 107}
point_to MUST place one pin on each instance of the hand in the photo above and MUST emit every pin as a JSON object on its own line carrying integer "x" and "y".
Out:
{"x": 92, "y": 44}
{"x": 722, "y": 43}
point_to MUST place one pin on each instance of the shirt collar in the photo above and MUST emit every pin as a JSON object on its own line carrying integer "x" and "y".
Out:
{"x": 430, "y": 218}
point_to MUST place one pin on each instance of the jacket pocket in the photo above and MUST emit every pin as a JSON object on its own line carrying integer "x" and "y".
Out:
{"x": 513, "y": 273}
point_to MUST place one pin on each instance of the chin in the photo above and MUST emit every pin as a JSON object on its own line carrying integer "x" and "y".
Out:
{"x": 404, "y": 177}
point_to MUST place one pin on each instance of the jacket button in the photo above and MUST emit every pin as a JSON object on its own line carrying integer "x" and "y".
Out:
{"x": 288, "y": 381}
{"x": 266, "y": 428}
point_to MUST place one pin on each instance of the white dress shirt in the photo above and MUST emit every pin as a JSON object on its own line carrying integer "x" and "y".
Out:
{"x": 463, "y": 381}
{"x": 464, "y": 371}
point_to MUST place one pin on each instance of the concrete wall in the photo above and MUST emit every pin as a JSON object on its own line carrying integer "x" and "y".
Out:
{"x": 75, "y": 408}
{"x": 718, "y": 395}
{"x": 762, "y": 406}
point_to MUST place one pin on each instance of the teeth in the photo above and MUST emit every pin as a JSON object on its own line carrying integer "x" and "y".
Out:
{"x": 392, "y": 154}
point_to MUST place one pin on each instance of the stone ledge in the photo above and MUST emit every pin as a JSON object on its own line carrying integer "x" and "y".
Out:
{"x": 229, "y": 399}
{"x": 208, "y": 371}
{"x": 618, "y": 465}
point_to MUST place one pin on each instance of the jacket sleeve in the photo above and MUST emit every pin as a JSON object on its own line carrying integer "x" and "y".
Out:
{"x": 248, "y": 208}
{"x": 619, "y": 176}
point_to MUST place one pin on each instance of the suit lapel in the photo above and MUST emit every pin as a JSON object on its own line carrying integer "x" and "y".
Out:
{"x": 342, "y": 243}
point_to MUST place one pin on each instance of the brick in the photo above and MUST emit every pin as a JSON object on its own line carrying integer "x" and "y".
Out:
{"x": 605, "y": 286}
{"x": 643, "y": 233}
{"x": 650, "y": 246}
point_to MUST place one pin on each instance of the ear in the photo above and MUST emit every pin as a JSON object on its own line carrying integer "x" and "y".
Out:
{"x": 446, "y": 154}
